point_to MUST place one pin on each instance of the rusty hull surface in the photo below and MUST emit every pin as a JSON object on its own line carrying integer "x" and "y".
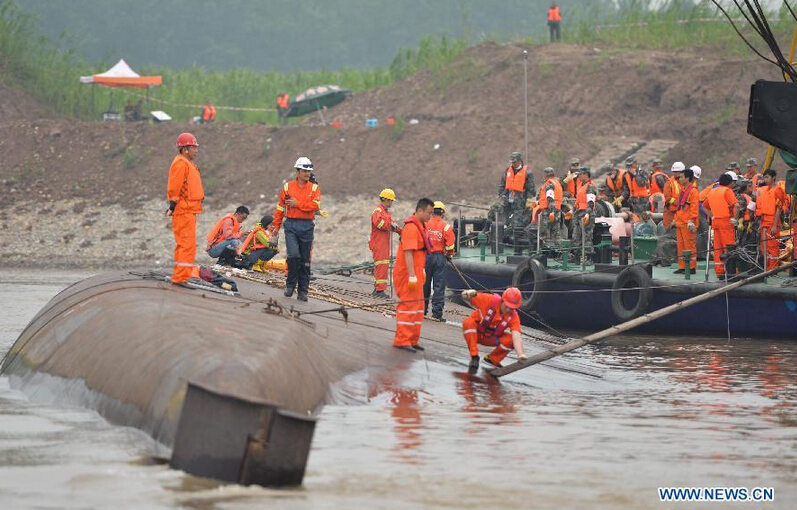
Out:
{"x": 126, "y": 346}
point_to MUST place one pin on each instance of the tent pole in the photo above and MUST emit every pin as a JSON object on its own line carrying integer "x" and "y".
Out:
{"x": 148, "y": 102}
{"x": 93, "y": 113}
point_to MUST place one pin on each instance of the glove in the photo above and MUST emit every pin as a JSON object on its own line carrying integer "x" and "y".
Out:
{"x": 618, "y": 201}
{"x": 394, "y": 226}
{"x": 740, "y": 225}
{"x": 734, "y": 221}
{"x": 412, "y": 283}
{"x": 585, "y": 221}
{"x": 323, "y": 214}
{"x": 691, "y": 226}
{"x": 468, "y": 294}
{"x": 749, "y": 227}
{"x": 551, "y": 217}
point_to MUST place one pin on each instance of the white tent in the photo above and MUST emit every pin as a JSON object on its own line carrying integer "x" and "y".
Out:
{"x": 121, "y": 75}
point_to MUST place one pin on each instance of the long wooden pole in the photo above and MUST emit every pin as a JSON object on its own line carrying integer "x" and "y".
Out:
{"x": 600, "y": 335}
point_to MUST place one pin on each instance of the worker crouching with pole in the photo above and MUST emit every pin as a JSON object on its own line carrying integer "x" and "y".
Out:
{"x": 494, "y": 323}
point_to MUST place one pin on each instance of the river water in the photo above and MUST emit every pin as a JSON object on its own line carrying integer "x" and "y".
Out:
{"x": 649, "y": 413}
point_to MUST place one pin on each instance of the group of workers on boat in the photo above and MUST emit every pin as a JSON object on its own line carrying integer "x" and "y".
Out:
{"x": 743, "y": 210}
{"x": 748, "y": 210}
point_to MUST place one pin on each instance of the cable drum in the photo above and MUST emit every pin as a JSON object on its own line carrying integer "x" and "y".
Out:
{"x": 631, "y": 293}
{"x": 530, "y": 277}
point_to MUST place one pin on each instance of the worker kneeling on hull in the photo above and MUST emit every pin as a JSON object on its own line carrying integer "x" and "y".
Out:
{"x": 494, "y": 323}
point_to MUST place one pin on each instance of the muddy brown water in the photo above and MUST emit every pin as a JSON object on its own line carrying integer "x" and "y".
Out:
{"x": 650, "y": 412}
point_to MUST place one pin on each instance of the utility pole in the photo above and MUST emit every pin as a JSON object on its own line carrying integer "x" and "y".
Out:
{"x": 526, "y": 104}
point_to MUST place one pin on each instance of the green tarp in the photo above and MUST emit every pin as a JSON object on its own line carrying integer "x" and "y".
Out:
{"x": 315, "y": 98}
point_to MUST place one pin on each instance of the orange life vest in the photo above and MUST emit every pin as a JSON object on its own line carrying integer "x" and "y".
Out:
{"x": 251, "y": 242}
{"x": 634, "y": 187}
{"x": 553, "y": 14}
{"x": 616, "y": 184}
{"x": 557, "y": 194}
{"x": 215, "y": 235}
{"x": 209, "y": 113}
{"x": 582, "y": 203}
{"x": 282, "y": 101}
{"x": 744, "y": 201}
{"x": 516, "y": 181}
{"x": 671, "y": 198}
{"x": 572, "y": 187}
{"x": 768, "y": 200}
{"x": 490, "y": 319}
{"x": 654, "y": 185}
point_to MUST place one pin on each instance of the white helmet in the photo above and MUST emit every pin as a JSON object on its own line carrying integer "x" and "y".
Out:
{"x": 677, "y": 167}
{"x": 697, "y": 170}
{"x": 733, "y": 175}
{"x": 303, "y": 163}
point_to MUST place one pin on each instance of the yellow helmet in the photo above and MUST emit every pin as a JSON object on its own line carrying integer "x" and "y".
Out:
{"x": 439, "y": 205}
{"x": 388, "y": 194}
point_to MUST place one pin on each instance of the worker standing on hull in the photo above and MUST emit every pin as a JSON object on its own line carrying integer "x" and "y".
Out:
{"x": 687, "y": 220}
{"x": 515, "y": 187}
{"x": 442, "y": 244}
{"x": 299, "y": 200}
{"x": 585, "y": 214}
{"x": 672, "y": 189}
{"x": 382, "y": 225}
{"x": 409, "y": 277}
{"x": 185, "y": 193}
{"x": 494, "y": 323}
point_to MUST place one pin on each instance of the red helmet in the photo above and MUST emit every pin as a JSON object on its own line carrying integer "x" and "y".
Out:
{"x": 512, "y": 298}
{"x": 186, "y": 140}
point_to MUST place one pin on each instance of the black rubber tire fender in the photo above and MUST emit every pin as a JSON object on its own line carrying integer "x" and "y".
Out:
{"x": 632, "y": 277}
{"x": 530, "y": 277}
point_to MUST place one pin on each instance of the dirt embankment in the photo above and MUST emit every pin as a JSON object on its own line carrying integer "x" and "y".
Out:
{"x": 583, "y": 102}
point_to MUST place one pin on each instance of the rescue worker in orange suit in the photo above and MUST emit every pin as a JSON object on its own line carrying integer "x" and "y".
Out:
{"x": 225, "y": 237}
{"x": 636, "y": 187}
{"x": 768, "y": 205}
{"x": 515, "y": 187}
{"x": 550, "y": 207}
{"x": 672, "y": 190}
{"x": 299, "y": 201}
{"x": 409, "y": 277}
{"x": 382, "y": 225}
{"x": 441, "y": 249}
{"x": 614, "y": 186}
{"x": 751, "y": 174}
{"x": 494, "y": 323}
{"x": 585, "y": 214}
{"x": 283, "y": 103}
{"x": 185, "y": 193}
{"x": 554, "y": 20}
{"x": 570, "y": 181}
{"x": 208, "y": 113}
{"x": 745, "y": 236}
{"x": 722, "y": 208}
{"x": 687, "y": 220}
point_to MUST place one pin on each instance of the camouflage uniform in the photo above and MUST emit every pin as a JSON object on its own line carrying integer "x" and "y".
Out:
{"x": 511, "y": 205}
{"x": 549, "y": 230}
{"x": 579, "y": 228}
{"x": 637, "y": 204}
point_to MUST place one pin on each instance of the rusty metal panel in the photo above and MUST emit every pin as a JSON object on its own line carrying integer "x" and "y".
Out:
{"x": 281, "y": 458}
{"x": 213, "y": 431}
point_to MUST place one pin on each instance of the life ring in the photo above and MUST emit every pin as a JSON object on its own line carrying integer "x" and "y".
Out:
{"x": 530, "y": 278}
{"x": 630, "y": 304}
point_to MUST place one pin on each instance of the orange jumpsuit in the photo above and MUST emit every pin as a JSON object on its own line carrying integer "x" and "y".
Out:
{"x": 488, "y": 307}
{"x": 769, "y": 199}
{"x": 409, "y": 310}
{"x": 688, "y": 209}
{"x": 671, "y": 191}
{"x": 720, "y": 202}
{"x": 379, "y": 243}
{"x": 184, "y": 188}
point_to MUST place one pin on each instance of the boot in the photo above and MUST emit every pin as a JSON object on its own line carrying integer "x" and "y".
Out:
{"x": 474, "y": 364}
{"x": 303, "y": 279}
{"x": 489, "y": 361}
{"x": 290, "y": 281}
{"x": 258, "y": 266}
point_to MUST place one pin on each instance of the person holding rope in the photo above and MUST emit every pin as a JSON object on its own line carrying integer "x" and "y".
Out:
{"x": 409, "y": 277}
{"x": 494, "y": 323}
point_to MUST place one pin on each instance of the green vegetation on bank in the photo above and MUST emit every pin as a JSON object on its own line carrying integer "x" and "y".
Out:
{"x": 50, "y": 75}
{"x": 670, "y": 25}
